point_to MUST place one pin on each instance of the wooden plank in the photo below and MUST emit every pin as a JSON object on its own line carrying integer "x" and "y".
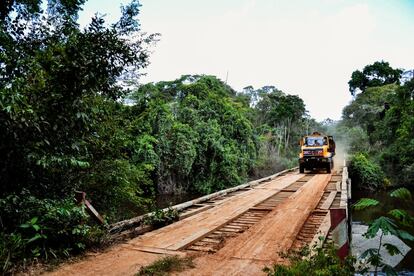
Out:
{"x": 338, "y": 186}
{"x": 202, "y": 248}
{"x": 211, "y": 240}
{"x": 154, "y": 250}
{"x": 328, "y": 202}
{"x": 185, "y": 232}
{"x": 261, "y": 209}
{"x": 277, "y": 231}
{"x": 323, "y": 231}
{"x": 136, "y": 221}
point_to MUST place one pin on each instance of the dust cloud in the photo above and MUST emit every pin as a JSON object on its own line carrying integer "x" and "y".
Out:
{"x": 340, "y": 155}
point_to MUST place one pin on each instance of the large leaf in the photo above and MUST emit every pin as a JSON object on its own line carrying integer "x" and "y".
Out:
{"x": 392, "y": 249}
{"x": 24, "y": 225}
{"x": 385, "y": 224}
{"x": 402, "y": 216}
{"x": 365, "y": 203}
{"x": 33, "y": 220}
{"x": 401, "y": 193}
{"x": 369, "y": 252}
{"x": 35, "y": 238}
{"x": 375, "y": 259}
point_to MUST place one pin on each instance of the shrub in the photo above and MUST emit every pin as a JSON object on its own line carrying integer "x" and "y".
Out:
{"x": 119, "y": 189}
{"x": 11, "y": 248}
{"x": 319, "y": 261}
{"x": 36, "y": 228}
{"x": 366, "y": 174}
{"x": 160, "y": 218}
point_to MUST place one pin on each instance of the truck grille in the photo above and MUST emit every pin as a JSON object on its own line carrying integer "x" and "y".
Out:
{"x": 313, "y": 152}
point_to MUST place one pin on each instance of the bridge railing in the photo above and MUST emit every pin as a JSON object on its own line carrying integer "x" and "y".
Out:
{"x": 340, "y": 218}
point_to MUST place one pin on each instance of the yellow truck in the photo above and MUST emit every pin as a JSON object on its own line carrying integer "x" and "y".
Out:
{"x": 316, "y": 152}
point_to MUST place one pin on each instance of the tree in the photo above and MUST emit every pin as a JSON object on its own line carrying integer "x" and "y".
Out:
{"x": 62, "y": 125}
{"x": 377, "y": 74}
{"x": 281, "y": 112}
{"x": 205, "y": 141}
{"x": 52, "y": 99}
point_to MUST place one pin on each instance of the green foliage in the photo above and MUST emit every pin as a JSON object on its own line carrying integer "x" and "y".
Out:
{"x": 365, "y": 203}
{"x": 121, "y": 187}
{"x": 166, "y": 265}
{"x": 383, "y": 115}
{"x": 280, "y": 120}
{"x": 386, "y": 225}
{"x": 401, "y": 193}
{"x": 62, "y": 126}
{"x": 160, "y": 218}
{"x": 53, "y": 101}
{"x": 376, "y": 74}
{"x": 12, "y": 248}
{"x": 392, "y": 249}
{"x": 205, "y": 141}
{"x": 365, "y": 173}
{"x": 366, "y": 109}
{"x": 319, "y": 261}
{"x": 402, "y": 217}
{"x": 46, "y": 228}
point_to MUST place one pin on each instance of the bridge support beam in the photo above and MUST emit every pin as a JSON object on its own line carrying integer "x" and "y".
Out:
{"x": 339, "y": 230}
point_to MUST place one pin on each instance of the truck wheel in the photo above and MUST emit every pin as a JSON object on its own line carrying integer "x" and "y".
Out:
{"x": 301, "y": 169}
{"x": 328, "y": 168}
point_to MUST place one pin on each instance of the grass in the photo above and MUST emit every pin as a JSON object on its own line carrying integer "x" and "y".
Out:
{"x": 166, "y": 265}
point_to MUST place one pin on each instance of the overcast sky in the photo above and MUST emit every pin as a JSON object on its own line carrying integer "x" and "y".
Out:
{"x": 307, "y": 48}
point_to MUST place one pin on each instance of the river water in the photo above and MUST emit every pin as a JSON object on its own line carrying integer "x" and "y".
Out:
{"x": 387, "y": 203}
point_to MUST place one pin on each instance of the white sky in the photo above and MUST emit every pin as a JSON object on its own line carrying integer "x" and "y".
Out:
{"x": 307, "y": 48}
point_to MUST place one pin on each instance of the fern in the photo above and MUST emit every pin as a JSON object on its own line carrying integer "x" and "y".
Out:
{"x": 364, "y": 203}
{"x": 401, "y": 193}
{"x": 385, "y": 224}
{"x": 402, "y": 216}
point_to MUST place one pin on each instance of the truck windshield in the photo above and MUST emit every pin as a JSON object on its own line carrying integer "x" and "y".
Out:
{"x": 315, "y": 141}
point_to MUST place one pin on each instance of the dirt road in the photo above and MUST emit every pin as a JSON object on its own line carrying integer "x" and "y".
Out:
{"x": 237, "y": 236}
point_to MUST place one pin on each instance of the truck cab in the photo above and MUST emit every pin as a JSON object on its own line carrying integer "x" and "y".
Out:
{"x": 317, "y": 152}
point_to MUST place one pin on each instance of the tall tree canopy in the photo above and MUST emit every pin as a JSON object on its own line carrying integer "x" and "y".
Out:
{"x": 379, "y": 122}
{"x": 53, "y": 76}
{"x": 377, "y": 74}
{"x": 60, "y": 121}
{"x": 205, "y": 141}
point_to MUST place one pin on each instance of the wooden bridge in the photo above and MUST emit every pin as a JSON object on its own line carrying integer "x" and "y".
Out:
{"x": 236, "y": 231}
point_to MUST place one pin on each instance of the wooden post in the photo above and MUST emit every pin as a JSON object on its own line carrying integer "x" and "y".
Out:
{"x": 81, "y": 199}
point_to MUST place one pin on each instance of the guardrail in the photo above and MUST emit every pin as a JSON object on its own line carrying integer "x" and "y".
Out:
{"x": 124, "y": 225}
{"x": 340, "y": 218}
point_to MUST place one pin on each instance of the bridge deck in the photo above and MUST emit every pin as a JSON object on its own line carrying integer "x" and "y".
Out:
{"x": 235, "y": 234}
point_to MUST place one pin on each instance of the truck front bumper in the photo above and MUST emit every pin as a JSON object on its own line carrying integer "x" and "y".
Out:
{"x": 315, "y": 161}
